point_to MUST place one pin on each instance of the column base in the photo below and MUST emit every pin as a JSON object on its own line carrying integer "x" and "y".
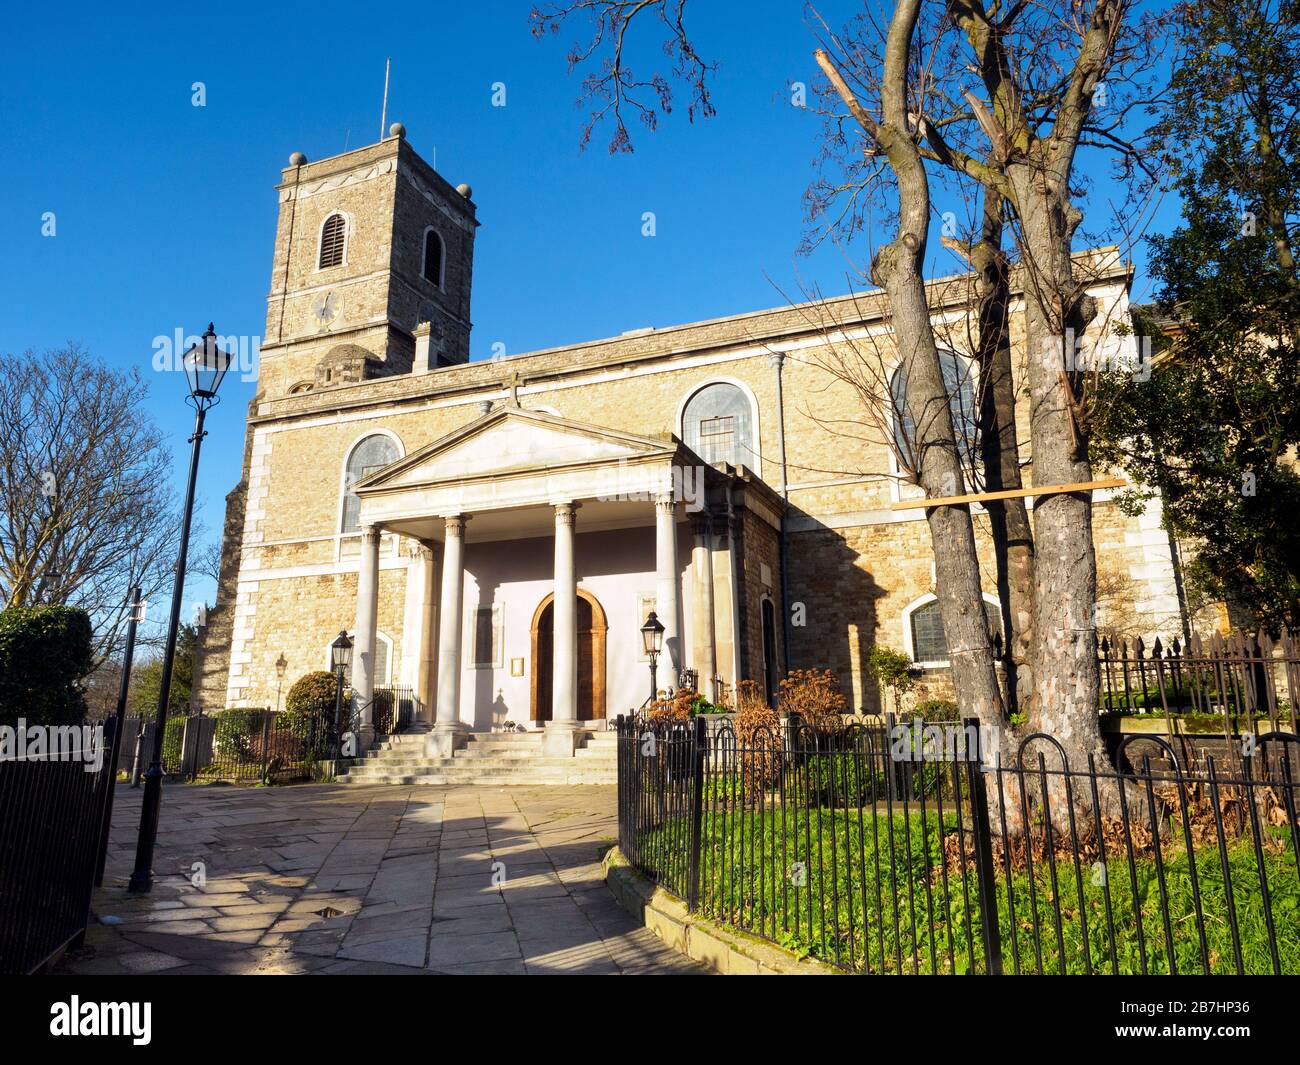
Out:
{"x": 365, "y": 738}
{"x": 446, "y": 739}
{"x": 560, "y": 739}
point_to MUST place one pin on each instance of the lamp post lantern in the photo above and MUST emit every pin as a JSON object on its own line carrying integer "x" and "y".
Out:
{"x": 652, "y": 639}
{"x": 281, "y": 667}
{"x": 205, "y": 365}
{"x": 340, "y": 658}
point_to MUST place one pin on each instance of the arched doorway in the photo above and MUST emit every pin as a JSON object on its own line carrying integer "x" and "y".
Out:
{"x": 592, "y": 628}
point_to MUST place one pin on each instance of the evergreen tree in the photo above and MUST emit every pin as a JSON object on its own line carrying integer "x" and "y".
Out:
{"x": 1214, "y": 429}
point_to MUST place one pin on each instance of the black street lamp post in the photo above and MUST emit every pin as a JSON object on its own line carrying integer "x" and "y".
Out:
{"x": 281, "y": 667}
{"x": 205, "y": 365}
{"x": 341, "y": 658}
{"x": 652, "y": 639}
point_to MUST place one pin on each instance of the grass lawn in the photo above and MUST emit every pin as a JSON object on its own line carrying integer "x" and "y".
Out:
{"x": 869, "y": 892}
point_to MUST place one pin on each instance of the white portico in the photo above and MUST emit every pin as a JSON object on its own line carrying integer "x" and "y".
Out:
{"x": 536, "y": 545}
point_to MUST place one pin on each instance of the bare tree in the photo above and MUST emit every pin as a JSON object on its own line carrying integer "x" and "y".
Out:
{"x": 86, "y": 508}
{"x": 613, "y": 90}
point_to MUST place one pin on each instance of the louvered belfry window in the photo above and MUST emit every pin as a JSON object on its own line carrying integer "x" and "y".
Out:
{"x": 333, "y": 239}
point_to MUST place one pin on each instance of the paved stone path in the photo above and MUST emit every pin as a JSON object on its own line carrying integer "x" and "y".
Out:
{"x": 327, "y": 879}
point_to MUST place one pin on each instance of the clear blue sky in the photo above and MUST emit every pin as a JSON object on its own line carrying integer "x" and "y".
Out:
{"x": 166, "y": 212}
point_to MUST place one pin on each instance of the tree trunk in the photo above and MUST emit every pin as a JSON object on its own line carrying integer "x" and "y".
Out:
{"x": 1013, "y": 542}
{"x": 898, "y": 269}
{"x": 1065, "y": 571}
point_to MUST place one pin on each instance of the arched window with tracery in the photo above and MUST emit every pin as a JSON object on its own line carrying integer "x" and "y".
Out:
{"x": 369, "y": 455}
{"x": 717, "y": 424}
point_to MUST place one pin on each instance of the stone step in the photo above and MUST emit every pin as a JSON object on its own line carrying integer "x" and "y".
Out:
{"x": 484, "y": 780}
{"x": 488, "y": 758}
{"x": 473, "y": 774}
{"x": 391, "y": 758}
{"x": 474, "y": 766}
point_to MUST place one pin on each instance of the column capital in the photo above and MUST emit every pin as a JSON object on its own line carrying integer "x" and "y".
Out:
{"x": 701, "y": 522}
{"x": 776, "y": 359}
{"x": 370, "y": 533}
{"x": 566, "y": 513}
{"x": 454, "y": 524}
{"x": 413, "y": 548}
{"x": 666, "y": 501}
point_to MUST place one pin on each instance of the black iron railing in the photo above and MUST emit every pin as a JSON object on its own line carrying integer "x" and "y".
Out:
{"x": 1247, "y": 680}
{"x": 51, "y": 813}
{"x": 899, "y": 850}
{"x": 395, "y": 710}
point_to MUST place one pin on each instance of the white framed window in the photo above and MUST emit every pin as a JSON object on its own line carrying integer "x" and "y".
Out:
{"x": 333, "y": 242}
{"x": 485, "y": 636}
{"x": 923, "y": 629}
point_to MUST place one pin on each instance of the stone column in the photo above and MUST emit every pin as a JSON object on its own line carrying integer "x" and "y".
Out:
{"x": 427, "y": 692}
{"x": 666, "y": 583}
{"x": 363, "y": 640}
{"x": 561, "y": 730}
{"x": 726, "y": 619}
{"x": 706, "y": 656}
{"x": 417, "y": 618}
{"x": 448, "y": 733}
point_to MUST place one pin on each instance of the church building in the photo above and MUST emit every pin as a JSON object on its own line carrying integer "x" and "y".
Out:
{"x": 493, "y": 534}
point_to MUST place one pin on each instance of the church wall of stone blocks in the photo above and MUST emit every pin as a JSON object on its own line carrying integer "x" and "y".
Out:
{"x": 370, "y": 416}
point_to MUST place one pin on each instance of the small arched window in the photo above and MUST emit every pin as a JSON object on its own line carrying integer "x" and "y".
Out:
{"x": 371, "y": 454}
{"x": 333, "y": 241}
{"x": 433, "y": 257}
{"x": 717, "y": 425}
{"x": 928, "y": 642}
{"x": 958, "y": 382}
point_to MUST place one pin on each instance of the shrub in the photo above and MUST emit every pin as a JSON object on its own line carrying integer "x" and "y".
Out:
{"x": 758, "y": 734}
{"x": 676, "y": 710}
{"x": 936, "y": 710}
{"x": 310, "y": 703}
{"x": 845, "y": 778}
{"x": 701, "y": 705}
{"x": 893, "y": 671}
{"x": 816, "y": 697}
{"x": 237, "y": 735}
{"x": 44, "y": 655}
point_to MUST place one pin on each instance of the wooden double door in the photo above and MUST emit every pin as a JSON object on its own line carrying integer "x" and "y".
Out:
{"x": 592, "y": 630}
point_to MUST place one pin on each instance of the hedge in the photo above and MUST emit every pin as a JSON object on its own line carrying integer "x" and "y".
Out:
{"x": 45, "y": 653}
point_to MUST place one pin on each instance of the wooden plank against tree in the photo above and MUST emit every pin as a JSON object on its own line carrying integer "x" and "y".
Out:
{"x": 922, "y": 503}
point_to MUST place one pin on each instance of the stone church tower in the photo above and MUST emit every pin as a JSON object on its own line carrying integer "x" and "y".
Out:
{"x": 374, "y": 255}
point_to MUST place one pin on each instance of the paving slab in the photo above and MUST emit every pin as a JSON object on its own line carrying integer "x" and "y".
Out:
{"x": 368, "y": 879}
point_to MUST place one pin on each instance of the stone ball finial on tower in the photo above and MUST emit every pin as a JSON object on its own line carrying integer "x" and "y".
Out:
{"x": 465, "y": 190}
{"x": 397, "y": 130}
{"x": 297, "y": 159}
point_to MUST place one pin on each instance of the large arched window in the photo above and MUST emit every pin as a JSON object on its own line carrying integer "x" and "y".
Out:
{"x": 371, "y": 454}
{"x": 433, "y": 256}
{"x": 958, "y": 380}
{"x": 925, "y": 635}
{"x": 717, "y": 424}
{"x": 333, "y": 241}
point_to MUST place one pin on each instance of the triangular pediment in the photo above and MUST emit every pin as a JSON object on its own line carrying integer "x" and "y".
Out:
{"x": 513, "y": 440}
